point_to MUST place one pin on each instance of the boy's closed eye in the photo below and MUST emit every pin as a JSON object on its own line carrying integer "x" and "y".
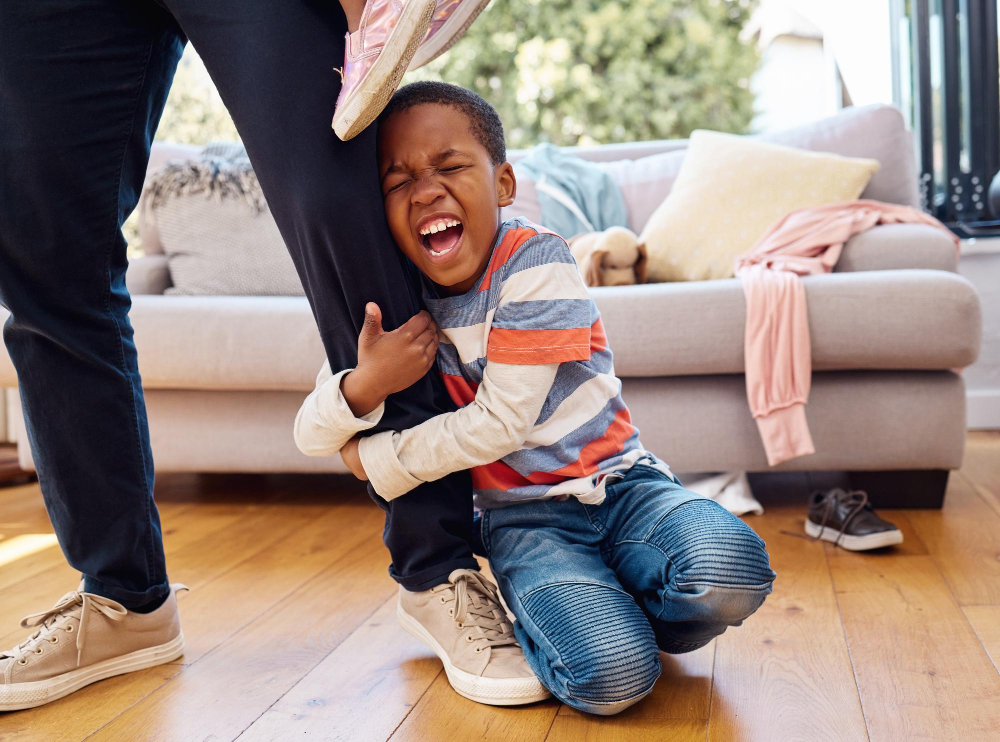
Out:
{"x": 394, "y": 183}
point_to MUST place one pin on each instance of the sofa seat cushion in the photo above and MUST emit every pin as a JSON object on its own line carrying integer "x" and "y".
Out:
{"x": 883, "y": 320}
{"x": 227, "y": 342}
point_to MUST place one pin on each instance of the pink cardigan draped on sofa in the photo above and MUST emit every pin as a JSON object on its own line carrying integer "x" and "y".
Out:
{"x": 777, "y": 351}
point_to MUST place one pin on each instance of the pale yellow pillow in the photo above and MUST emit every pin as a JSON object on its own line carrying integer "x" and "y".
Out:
{"x": 729, "y": 191}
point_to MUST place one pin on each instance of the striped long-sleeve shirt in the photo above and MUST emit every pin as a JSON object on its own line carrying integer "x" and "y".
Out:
{"x": 525, "y": 357}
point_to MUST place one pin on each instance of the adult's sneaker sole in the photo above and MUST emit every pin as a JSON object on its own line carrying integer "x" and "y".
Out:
{"x": 489, "y": 691}
{"x": 877, "y": 540}
{"x": 18, "y": 696}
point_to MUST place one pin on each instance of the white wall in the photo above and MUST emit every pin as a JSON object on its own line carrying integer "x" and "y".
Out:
{"x": 980, "y": 264}
{"x": 859, "y": 36}
{"x": 788, "y": 89}
{"x": 808, "y": 46}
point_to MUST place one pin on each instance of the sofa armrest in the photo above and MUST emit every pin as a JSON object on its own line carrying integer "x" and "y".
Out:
{"x": 899, "y": 246}
{"x": 148, "y": 275}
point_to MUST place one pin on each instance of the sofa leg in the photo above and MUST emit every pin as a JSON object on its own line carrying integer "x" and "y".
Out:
{"x": 10, "y": 471}
{"x": 910, "y": 488}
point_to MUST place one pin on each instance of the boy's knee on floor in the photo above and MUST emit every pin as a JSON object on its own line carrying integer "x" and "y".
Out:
{"x": 729, "y": 605}
{"x": 601, "y": 652}
{"x": 609, "y": 678}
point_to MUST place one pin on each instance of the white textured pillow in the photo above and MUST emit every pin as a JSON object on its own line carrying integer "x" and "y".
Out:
{"x": 220, "y": 248}
{"x": 729, "y": 191}
{"x": 210, "y": 219}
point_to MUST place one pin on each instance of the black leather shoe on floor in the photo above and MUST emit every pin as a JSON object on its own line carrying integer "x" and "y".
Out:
{"x": 846, "y": 519}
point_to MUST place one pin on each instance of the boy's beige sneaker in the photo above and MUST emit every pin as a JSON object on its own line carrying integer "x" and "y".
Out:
{"x": 82, "y": 639}
{"x": 463, "y": 622}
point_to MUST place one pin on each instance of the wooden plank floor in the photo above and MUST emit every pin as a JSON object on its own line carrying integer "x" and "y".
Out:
{"x": 291, "y": 632}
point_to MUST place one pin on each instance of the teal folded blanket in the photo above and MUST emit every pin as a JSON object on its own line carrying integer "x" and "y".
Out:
{"x": 574, "y": 195}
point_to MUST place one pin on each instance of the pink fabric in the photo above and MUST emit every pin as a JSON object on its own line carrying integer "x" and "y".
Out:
{"x": 777, "y": 352}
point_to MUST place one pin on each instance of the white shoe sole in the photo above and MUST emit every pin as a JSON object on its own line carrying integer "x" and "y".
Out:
{"x": 489, "y": 691}
{"x": 18, "y": 696}
{"x": 855, "y": 543}
{"x": 368, "y": 100}
{"x": 450, "y": 33}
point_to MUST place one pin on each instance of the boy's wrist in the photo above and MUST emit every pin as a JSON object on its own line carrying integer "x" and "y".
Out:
{"x": 360, "y": 392}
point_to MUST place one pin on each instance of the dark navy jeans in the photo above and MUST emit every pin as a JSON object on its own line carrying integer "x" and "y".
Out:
{"x": 599, "y": 590}
{"x": 82, "y": 87}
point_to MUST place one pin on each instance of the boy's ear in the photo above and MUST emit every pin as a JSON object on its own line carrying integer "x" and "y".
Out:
{"x": 506, "y": 184}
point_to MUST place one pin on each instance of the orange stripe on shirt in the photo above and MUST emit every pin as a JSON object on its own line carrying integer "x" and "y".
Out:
{"x": 511, "y": 241}
{"x": 497, "y": 476}
{"x": 538, "y": 346}
{"x": 461, "y": 391}
{"x": 596, "y": 452}
{"x": 598, "y": 338}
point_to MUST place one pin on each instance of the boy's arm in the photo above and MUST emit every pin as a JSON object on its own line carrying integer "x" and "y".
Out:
{"x": 352, "y": 401}
{"x": 493, "y": 425}
{"x": 544, "y": 317}
{"x": 325, "y": 421}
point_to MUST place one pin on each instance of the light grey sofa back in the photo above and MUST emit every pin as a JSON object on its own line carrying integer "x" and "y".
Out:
{"x": 876, "y": 131}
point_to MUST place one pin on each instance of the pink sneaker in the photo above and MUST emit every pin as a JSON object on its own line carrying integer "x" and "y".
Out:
{"x": 451, "y": 20}
{"x": 375, "y": 59}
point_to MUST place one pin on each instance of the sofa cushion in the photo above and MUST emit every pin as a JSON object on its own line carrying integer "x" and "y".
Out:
{"x": 226, "y": 342}
{"x": 729, "y": 191}
{"x": 911, "y": 319}
{"x": 907, "y": 319}
{"x": 210, "y": 218}
{"x": 877, "y": 132}
{"x": 894, "y": 246}
{"x": 890, "y": 319}
{"x": 148, "y": 274}
{"x": 894, "y": 420}
{"x": 645, "y": 182}
{"x": 218, "y": 248}
{"x": 858, "y": 419}
{"x": 646, "y": 171}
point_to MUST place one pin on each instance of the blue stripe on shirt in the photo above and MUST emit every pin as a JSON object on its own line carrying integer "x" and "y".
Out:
{"x": 544, "y": 314}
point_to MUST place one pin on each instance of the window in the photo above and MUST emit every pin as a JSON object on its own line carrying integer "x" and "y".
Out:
{"x": 948, "y": 86}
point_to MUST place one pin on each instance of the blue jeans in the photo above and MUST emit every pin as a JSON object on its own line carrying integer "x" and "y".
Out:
{"x": 599, "y": 590}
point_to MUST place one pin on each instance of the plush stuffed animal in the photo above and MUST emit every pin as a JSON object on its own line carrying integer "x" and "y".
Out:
{"x": 613, "y": 257}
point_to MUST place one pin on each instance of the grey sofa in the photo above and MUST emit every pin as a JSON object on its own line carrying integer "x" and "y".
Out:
{"x": 224, "y": 375}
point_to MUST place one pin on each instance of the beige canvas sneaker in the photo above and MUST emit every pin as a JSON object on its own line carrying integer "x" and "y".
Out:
{"x": 82, "y": 639}
{"x": 463, "y": 622}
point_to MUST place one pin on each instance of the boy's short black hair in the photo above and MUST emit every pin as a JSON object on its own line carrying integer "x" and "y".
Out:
{"x": 483, "y": 118}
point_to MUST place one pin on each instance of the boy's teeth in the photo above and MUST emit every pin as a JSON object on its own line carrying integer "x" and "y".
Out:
{"x": 439, "y": 226}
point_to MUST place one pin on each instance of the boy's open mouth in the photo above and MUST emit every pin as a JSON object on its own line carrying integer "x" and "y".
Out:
{"x": 441, "y": 236}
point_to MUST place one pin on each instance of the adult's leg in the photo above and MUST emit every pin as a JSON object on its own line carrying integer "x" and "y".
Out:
{"x": 695, "y": 568}
{"x": 581, "y": 632}
{"x": 272, "y": 61}
{"x": 82, "y": 86}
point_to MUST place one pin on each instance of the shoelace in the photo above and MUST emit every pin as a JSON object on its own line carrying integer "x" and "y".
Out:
{"x": 75, "y": 603}
{"x": 477, "y": 605}
{"x": 859, "y": 498}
